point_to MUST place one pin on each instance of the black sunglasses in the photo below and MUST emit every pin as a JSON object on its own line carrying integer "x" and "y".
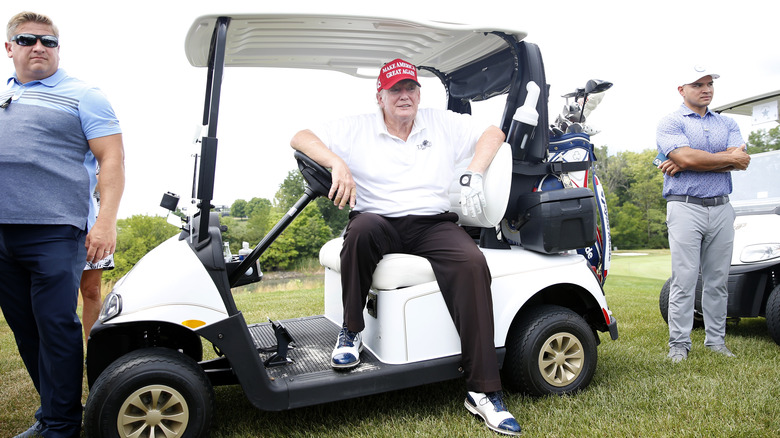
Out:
{"x": 28, "y": 39}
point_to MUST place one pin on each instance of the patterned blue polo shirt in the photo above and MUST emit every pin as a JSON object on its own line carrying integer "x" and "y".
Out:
{"x": 712, "y": 133}
{"x": 47, "y": 171}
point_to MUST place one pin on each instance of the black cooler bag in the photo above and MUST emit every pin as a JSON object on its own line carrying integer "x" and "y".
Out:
{"x": 557, "y": 220}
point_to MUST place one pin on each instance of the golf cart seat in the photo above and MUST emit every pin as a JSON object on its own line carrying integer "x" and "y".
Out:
{"x": 416, "y": 270}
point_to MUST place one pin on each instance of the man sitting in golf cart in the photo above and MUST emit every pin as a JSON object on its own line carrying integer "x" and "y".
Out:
{"x": 394, "y": 169}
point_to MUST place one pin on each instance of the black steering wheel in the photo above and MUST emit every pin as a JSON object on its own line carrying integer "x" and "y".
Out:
{"x": 317, "y": 177}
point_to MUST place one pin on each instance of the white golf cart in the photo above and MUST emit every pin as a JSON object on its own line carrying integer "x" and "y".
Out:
{"x": 145, "y": 362}
{"x": 754, "y": 276}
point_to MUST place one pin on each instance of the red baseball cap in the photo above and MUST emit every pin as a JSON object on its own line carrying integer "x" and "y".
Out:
{"x": 395, "y": 71}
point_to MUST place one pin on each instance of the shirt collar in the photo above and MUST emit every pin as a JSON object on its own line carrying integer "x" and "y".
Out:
{"x": 50, "y": 81}
{"x": 684, "y": 110}
{"x": 418, "y": 126}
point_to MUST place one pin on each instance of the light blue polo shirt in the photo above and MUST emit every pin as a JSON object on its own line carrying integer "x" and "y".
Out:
{"x": 47, "y": 171}
{"x": 712, "y": 133}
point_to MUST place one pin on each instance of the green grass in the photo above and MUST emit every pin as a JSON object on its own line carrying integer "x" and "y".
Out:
{"x": 653, "y": 263}
{"x": 636, "y": 391}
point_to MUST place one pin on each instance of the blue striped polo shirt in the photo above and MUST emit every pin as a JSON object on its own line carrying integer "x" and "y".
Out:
{"x": 47, "y": 171}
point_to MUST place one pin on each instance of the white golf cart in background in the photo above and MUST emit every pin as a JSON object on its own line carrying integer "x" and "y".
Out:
{"x": 145, "y": 362}
{"x": 754, "y": 276}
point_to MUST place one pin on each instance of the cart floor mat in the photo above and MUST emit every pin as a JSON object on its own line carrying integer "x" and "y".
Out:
{"x": 313, "y": 341}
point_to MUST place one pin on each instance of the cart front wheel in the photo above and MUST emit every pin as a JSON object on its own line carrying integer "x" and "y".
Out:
{"x": 154, "y": 392}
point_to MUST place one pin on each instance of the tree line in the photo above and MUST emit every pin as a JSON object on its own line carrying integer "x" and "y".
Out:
{"x": 633, "y": 187}
{"x": 248, "y": 221}
{"x": 318, "y": 223}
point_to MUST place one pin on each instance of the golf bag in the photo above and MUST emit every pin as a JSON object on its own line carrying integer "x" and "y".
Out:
{"x": 578, "y": 148}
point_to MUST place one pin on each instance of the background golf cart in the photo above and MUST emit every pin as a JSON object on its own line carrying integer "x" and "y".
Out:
{"x": 754, "y": 276}
{"x": 144, "y": 360}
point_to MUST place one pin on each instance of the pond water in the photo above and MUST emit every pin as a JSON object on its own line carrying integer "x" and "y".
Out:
{"x": 275, "y": 281}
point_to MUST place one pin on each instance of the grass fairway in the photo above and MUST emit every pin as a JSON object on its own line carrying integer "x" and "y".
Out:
{"x": 636, "y": 391}
{"x": 653, "y": 263}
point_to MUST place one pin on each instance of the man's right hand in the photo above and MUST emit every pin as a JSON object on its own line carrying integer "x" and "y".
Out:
{"x": 343, "y": 189}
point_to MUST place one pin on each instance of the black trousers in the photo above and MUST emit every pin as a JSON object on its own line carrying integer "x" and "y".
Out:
{"x": 460, "y": 269}
{"x": 40, "y": 269}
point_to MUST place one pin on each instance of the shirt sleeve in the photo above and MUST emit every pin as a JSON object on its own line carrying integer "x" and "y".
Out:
{"x": 669, "y": 135}
{"x": 97, "y": 116}
{"x": 735, "y": 136}
{"x": 331, "y": 133}
{"x": 466, "y": 131}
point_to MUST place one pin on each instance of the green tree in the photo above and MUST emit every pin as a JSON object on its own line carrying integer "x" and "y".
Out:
{"x": 633, "y": 186}
{"x": 250, "y": 230}
{"x": 257, "y": 206}
{"x": 260, "y": 220}
{"x": 281, "y": 255}
{"x": 236, "y": 231}
{"x": 646, "y": 194}
{"x": 310, "y": 232}
{"x": 301, "y": 240}
{"x": 258, "y": 226}
{"x": 764, "y": 141}
{"x": 304, "y": 237}
{"x": 657, "y": 235}
{"x": 611, "y": 170}
{"x": 238, "y": 209}
{"x": 335, "y": 218}
{"x": 626, "y": 226}
{"x": 290, "y": 190}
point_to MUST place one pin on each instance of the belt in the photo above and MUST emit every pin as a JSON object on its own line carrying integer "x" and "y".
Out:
{"x": 707, "y": 202}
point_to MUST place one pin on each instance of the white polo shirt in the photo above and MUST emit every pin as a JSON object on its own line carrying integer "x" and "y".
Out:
{"x": 398, "y": 178}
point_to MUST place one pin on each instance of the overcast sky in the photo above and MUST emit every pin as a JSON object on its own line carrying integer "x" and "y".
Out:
{"x": 134, "y": 52}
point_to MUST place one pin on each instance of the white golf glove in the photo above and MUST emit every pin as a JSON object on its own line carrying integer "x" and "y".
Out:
{"x": 472, "y": 195}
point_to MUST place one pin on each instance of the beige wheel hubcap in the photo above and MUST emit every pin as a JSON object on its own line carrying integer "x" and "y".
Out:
{"x": 561, "y": 359}
{"x": 155, "y": 411}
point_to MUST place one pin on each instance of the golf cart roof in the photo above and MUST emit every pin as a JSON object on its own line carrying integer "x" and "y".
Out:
{"x": 745, "y": 106}
{"x": 473, "y": 63}
{"x": 349, "y": 44}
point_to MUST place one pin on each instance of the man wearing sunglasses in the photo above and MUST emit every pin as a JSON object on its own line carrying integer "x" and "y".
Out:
{"x": 55, "y": 131}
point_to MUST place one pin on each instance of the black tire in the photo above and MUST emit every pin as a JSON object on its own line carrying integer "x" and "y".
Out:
{"x": 549, "y": 350}
{"x": 663, "y": 304}
{"x": 126, "y": 397}
{"x": 773, "y": 314}
{"x": 663, "y": 300}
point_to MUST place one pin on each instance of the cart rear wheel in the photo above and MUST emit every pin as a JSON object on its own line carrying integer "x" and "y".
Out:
{"x": 663, "y": 300}
{"x": 663, "y": 304}
{"x": 154, "y": 392}
{"x": 549, "y": 350}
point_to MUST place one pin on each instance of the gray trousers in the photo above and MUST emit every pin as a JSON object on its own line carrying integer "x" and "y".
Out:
{"x": 700, "y": 238}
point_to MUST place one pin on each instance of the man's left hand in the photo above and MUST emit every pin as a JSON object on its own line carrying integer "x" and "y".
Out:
{"x": 472, "y": 195}
{"x": 100, "y": 241}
